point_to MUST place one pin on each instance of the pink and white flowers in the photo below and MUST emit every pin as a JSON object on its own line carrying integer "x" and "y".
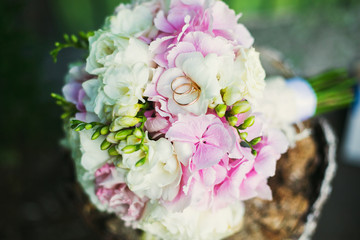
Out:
{"x": 171, "y": 146}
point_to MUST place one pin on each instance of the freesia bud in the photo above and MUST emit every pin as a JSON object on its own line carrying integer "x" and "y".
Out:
{"x": 247, "y": 123}
{"x": 255, "y": 141}
{"x": 221, "y": 110}
{"x": 123, "y": 122}
{"x": 130, "y": 149}
{"x": 240, "y": 107}
{"x": 105, "y": 145}
{"x": 232, "y": 120}
{"x": 122, "y": 134}
{"x": 112, "y": 151}
{"x": 104, "y": 130}
{"x": 243, "y": 135}
{"x": 111, "y": 138}
{"x": 129, "y": 111}
{"x": 80, "y": 127}
{"x": 141, "y": 162}
{"x": 145, "y": 148}
{"x": 254, "y": 152}
{"x": 96, "y": 134}
{"x": 138, "y": 133}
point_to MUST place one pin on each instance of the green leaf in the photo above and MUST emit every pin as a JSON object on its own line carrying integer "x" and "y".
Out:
{"x": 80, "y": 41}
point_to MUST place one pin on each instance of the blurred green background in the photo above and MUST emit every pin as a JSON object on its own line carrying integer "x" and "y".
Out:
{"x": 312, "y": 35}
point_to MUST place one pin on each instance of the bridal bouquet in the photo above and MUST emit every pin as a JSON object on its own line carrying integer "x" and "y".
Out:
{"x": 166, "y": 119}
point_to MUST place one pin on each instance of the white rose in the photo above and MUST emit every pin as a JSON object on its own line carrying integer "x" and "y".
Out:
{"x": 108, "y": 49}
{"x": 130, "y": 21}
{"x": 159, "y": 177}
{"x": 249, "y": 78}
{"x": 192, "y": 223}
{"x": 103, "y": 48}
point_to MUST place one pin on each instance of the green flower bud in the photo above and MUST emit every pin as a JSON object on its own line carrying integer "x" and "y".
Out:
{"x": 74, "y": 121}
{"x": 247, "y": 123}
{"x": 105, "y": 145}
{"x": 111, "y": 138}
{"x": 221, "y": 110}
{"x": 232, "y": 120}
{"x": 243, "y": 135}
{"x": 130, "y": 149}
{"x": 138, "y": 133}
{"x": 141, "y": 162}
{"x": 254, "y": 152}
{"x": 144, "y": 147}
{"x": 240, "y": 107}
{"x": 80, "y": 127}
{"x": 112, "y": 151}
{"x": 132, "y": 140}
{"x": 123, "y": 122}
{"x": 104, "y": 130}
{"x": 129, "y": 111}
{"x": 96, "y": 134}
{"x": 88, "y": 126}
{"x": 255, "y": 141}
{"x": 122, "y": 134}
{"x": 65, "y": 115}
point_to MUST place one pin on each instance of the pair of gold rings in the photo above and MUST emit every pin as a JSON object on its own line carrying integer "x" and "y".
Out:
{"x": 186, "y": 86}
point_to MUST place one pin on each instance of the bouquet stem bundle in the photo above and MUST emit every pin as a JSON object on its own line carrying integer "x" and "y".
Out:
{"x": 334, "y": 90}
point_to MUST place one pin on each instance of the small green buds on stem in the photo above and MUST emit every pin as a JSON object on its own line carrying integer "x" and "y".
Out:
{"x": 124, "y": 122}
{"x": 255, "y": 141}
{"x": 104, "y": 130}
{"x": 130, "y": 149}
{"x": 138, "y": 133}
{"x": 123, "y": 134}
{"x": 243, "y": 135}
{"x": 221, "y": 110}
{"x": 105, "y": 145}
{"x": 232, "y": 120}
{"x": 247, "y": 123}
{"x": 240, "y": 107}
{"x": 113, "y": 152}
{"x": 80, "y": 127}
{"x": 96, "y": 134}
{"x": 254, "y": 152}
{"x": 141, "y": 161}
{"x": 250, "y": 144}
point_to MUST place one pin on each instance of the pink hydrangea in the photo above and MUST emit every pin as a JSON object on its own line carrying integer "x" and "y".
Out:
{"x": 212, "y": 17}
{"x": 203, "y": 43}
{"x": 201, "y": 141}
{"x": 237, "y": 176}
{"x": 113, "y": 192}
{"x": 246, "y": 178}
